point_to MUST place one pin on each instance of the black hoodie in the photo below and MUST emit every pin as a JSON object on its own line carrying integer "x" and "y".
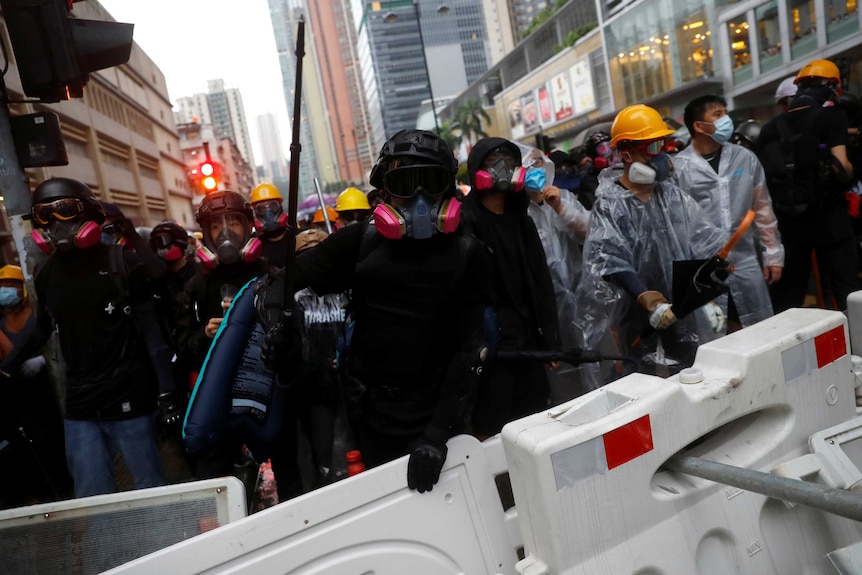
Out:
{"x": 526, "y": 307}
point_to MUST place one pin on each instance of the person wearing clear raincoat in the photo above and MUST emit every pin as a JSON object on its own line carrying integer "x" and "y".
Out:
{"x": 640, "y": 224}
{"x": 561, "y": 221}
{"x": 727, "y": 181}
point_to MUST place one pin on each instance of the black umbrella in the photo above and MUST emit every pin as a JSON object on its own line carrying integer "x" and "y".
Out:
{"x": 698, "y": 282}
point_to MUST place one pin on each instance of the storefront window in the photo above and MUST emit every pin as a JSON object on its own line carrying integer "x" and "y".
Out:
{"x": 803, "y": 27}
{"x": 639, "y": 51}
{"x": 740, "y": 48}
{"x": 842, "y": 19}
{"x": 768, "y": 36}
{"x": 694, "y": 40}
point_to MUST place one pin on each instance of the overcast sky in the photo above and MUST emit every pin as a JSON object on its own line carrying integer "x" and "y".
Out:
{"x": 193, "y": 41}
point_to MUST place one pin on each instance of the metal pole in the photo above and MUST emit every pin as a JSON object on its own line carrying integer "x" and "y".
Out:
{"x": 836, "y": 501}
{"x": 323, "y": 207}
{"x": 425, "y": 61}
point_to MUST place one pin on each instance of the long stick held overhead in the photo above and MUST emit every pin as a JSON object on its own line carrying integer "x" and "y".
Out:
{"x": 293, "y": 184}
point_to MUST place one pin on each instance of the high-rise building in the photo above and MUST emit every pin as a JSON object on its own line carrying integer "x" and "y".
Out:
{"x": 285, "y": 15}
{"x": 498, "y": 23}
{"x": 389, "y": 43}
{"x": 274, "y": 163}
{"x": 222, "y": 108}
{"x": 337, "y": 59}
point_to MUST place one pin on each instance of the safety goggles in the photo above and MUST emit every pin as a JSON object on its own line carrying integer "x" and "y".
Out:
{"x": 651, "y": 149}
{"x": 162, "y": 241}
{"x": 406, "y": 182}
{"x": 63, "y": 209}
{"x": 267, "y": 206}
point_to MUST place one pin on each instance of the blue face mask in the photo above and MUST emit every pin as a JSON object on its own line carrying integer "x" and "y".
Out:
{"x": 662, "y": 166}
{"x": 419, "y": 215}
{"x": 723, "y": 130}
{"x": 535, "y": 180}
{"x": 9, "y": 297}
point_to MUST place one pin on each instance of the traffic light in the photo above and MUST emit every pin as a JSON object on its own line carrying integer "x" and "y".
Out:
{"x": 55, "y": 53}
{"x": 210, "y": 176}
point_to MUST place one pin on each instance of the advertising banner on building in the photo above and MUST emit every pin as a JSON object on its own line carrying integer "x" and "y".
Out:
{"x": 546, "y": 109}
{"x": 562, "y": 94}
{"x": 529, "y": 113}
{"x": 516, "y": 125}
{"x": 584, "y": 94}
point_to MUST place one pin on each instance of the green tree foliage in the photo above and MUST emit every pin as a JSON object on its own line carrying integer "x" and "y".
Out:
{"x": 470, "y": 117}
{"x": 575, "y": 35}
{"x": 450, "y": 131}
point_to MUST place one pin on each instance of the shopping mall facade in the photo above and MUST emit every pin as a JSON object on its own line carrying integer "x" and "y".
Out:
{"x": 662, "y": 53}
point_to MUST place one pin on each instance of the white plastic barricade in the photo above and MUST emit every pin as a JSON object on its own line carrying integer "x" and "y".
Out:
{"x": 369, "y": 523}
{"x": 92, "y": 534}
{"x": 593, "y": 497}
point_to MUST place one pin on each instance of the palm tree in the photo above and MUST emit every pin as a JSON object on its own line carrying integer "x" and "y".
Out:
{"x": 451, "y": 132}
{"x": 470, "y": 116}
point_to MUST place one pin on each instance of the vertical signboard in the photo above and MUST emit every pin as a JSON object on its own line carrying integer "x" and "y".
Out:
{"x": 583, "y": 92}
{"x": 562, "y": 96}
{"x": 546, "y": 110}
{"x": 529, "y": 113}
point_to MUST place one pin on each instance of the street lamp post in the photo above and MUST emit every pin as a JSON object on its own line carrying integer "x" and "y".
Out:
{"x": 392, "y": 17}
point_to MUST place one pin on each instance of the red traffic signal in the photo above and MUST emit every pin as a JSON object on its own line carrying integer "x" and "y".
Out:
{"x": 209, "y": 173}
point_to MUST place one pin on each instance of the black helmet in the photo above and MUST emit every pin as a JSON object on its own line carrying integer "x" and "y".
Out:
{"x": 748, "y": 131}
{"x": 173, "y": 231}
{"x": 223, "y": 202}
{"x": 422, "y": 145}
{"x": 59, "y": 188}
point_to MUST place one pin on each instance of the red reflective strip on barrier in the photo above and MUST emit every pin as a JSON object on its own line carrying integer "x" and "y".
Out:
{"x": 830, "y": 346}
{"x": 627, "y": 442}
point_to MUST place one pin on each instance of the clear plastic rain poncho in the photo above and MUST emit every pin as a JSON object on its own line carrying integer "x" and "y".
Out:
{"x": 628, "y": 234}
{"x": 562, "y": 236}
{"x": 725, "y": 197}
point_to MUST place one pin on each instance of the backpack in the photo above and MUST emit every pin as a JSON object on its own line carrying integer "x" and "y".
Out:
{"x": 797, "y": 167}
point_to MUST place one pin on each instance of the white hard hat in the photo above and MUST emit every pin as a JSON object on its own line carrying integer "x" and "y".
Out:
{"x": 786, "y": 88}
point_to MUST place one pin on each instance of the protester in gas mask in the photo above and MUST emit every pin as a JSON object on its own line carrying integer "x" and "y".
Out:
{"x": 598, "y": 155}
{"x": 352, "y": 207}
{"x": 418, "y": 295}
{"x": 270, "y": 223}
{"x": 100, "y": 300}
{"x": 525, "y": 306}
{"x": 640, "y": 224}
{"x": 229, "y": 258}
{"x": 118, "y": 229}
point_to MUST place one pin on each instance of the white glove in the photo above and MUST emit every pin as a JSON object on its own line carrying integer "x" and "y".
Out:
{"x": 715, "y": 316}
{"x": 32, "y": 366}
{"x": 662, "y": 316}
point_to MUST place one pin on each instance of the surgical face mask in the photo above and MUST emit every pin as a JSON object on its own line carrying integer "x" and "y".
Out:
{"x": 9, "y": 297}
{"x": 723, "y": 130}
{"x": 535, "y": 180}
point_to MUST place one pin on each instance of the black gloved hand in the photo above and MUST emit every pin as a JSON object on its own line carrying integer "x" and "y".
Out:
{"x": 169, "y": 415}
{"x": 426, "y": 461}
{"x": 276, "y": 345}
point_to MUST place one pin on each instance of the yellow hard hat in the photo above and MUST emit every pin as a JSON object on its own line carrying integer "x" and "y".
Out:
{"x": 318, "y": 215}
{"x": 819, "y": 69}
{"x": 265, "y": 192}
{"x": 638, "y": 123}
{"x": 351, "y": 199}
{"x": 11, "y": 272}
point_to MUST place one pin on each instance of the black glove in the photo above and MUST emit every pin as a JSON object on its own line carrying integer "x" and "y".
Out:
{"x": 275, "y": 345}
{"x": 169, "y": 415}
{"x": 426, "y": 461}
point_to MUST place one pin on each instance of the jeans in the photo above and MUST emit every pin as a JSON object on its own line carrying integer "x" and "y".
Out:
{"x": 91, "y": 445}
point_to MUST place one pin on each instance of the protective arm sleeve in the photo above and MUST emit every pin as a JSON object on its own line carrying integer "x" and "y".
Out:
{"x": 766, "y": 223}
{"x": 629, "y": 281}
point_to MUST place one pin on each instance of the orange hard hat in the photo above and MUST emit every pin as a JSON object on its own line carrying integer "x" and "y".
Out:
{"x": 318, "y": 215}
